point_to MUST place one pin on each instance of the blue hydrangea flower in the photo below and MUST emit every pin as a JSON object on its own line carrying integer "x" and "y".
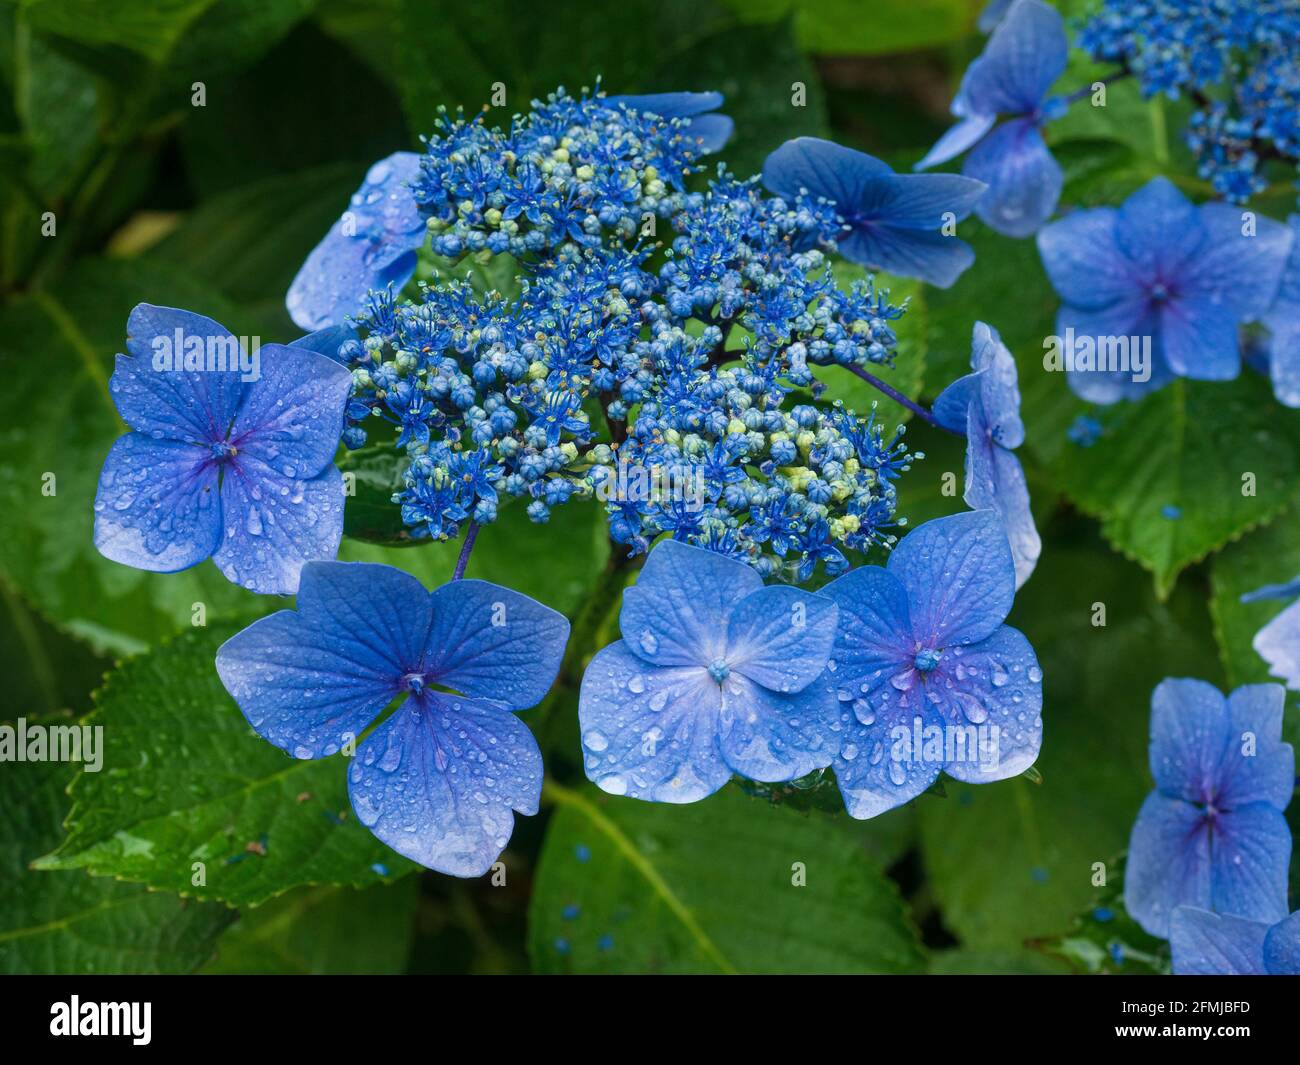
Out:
{"x": 1212, "y": 833}
{"x": 712, "y": 131}
{"x": 439, "y": 778}
{"x": 1160, "y": 267}
{"x": 1283, "y": 322}
{"x": 893, "y": 222}
{"x": 1025, "y": 55}
{"x": 716, "y": 674}
{"x": 985, "y": 405}
{"x": 1278, "y": 642}
{"x": 373, "y": 245}
{"x": 933, "y": 678}
{"x": 1209, "y": 944}
{"x": 217, "y": 466}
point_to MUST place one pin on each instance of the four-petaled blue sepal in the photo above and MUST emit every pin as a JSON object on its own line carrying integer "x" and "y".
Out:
{"x": 373, "y": 245}
{"x": 1025, "y": 55}
{"x": 712, "y": 131}
{"x": 230, "y": 454}
{"x": 1210, "y": 944}
{"x": 985, "y": 405}
{"x": 1156, "y": 289}
{"x": 441, "y": 778}
{"x": 901, "y": 223}
{"x": 1212, "y": 834}
{"x": 934, "y": 680}
{"x": 716, "y": 674}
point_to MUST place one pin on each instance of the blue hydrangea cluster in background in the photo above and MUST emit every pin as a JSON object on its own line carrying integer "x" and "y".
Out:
{"x": 657, "y": 331}
{"x": 1235, "y": 58}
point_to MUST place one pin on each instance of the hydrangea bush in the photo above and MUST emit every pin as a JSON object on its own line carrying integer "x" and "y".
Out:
{"x": 664, "y": 491}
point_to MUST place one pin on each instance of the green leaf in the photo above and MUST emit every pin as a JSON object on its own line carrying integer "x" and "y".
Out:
{"x": 555, "y": 563}
{"x": 323, "y": 931}
{"x": 186, "y": 781}
{"x": 1013, "y": 860}
{"x": 373, "y": 473}
{"x": 349, "y": 115}
{"x": 1171, "y": 477}
{"x": 627, "y": 886}
{"x": 150, "y": 30}
{"x": 72, "y": 923}
{"x": 57, "y": 423}
{"x": 45, "y": 670}
{"x": 252, "y": 240}
{"x": 1269, "y": 556}
{"x": 841, "y": 27}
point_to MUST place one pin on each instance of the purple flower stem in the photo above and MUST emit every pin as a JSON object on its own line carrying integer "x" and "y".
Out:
{"x": 898, "y": 397}
{"x": 471, "y": 534}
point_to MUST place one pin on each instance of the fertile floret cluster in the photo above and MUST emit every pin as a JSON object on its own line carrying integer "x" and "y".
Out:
{"x": 1235, "y": 58}
{"x": 655, "y": 346}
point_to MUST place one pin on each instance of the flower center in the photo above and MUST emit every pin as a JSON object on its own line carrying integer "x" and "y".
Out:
{"x": 414, "y": 682}
{"x": 926, "y": 659}
{"x": 221, "y": 451}
{"x": 719, "y": 671}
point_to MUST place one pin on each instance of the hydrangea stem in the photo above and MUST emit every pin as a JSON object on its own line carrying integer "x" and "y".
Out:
{"x": 898, "y": 397}
{"x": 471, "y": 534}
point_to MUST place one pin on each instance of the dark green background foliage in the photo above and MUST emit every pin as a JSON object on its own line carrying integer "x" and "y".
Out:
{"x": 213, "y": 208}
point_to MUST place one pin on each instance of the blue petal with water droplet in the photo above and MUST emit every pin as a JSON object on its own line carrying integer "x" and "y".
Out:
{"x": 157, "y": 506}
{"x": 439, "y": 781}
{"x": 650, "y": 732}
{"x": 781, "y": 637}
{"x": 676, "y": 613}
{"x": 494, "y": 643}
{"x": 275, "y": 524}
{"x": 371, "y": 246}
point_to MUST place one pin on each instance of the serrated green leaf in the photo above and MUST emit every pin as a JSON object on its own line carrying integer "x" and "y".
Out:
{"x": 627, "y": 886}
{"x": 186, "y": 781}
{"x": 57, "y": 423}
{"x": 323, "y": 931}
{"x": 1180, "y": 473}
{"x": 67, "y": 922}
{"x": 1013, "y": 860}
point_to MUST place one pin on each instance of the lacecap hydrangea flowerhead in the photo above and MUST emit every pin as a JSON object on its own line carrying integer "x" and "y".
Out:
{"x": 1212, "y": 834}
{"x": 1023, "y": 58}
{"x": 647, "y": 340}
{"x": 1161, "y": 269}
{"x": 438, "y": 780}
{"x": 230, "y": 453}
